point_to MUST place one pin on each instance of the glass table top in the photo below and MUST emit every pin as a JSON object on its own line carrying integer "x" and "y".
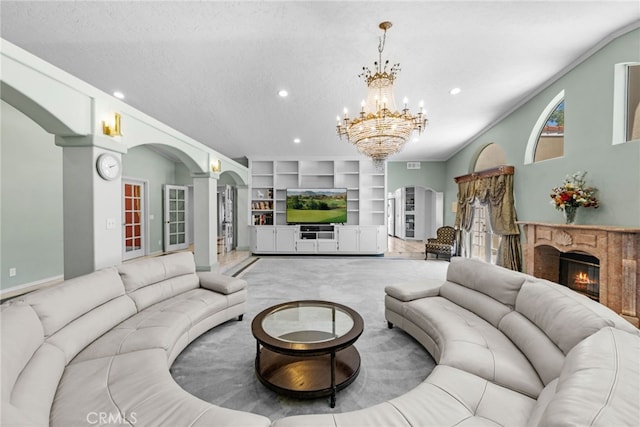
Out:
{"x": 307, "y": 322}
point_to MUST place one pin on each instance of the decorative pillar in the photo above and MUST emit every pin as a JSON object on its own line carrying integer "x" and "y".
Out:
{"x": 92, "y": 205}
{"x": 242, "y": 217}
{"x": 205, "y": 220}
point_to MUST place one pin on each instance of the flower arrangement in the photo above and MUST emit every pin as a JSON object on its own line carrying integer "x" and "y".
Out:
{"x": 574, "y": 193}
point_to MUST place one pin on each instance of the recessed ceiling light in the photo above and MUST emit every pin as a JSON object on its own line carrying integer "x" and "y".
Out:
{"x": 297, "y": 140}
{"x": 455, "y": 91}
{"x": 283, "y": 93}
{"x": 118, "y": 94}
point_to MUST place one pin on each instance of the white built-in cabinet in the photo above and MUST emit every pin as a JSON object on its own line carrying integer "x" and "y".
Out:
{"x": 295, "y": 239}
{"x": 419, "y": 212}
{"x": 363, "y": 233}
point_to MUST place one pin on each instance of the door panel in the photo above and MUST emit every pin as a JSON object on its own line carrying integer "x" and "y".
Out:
{"x": 175, "y": 218}
{"x": 133, "y": 220}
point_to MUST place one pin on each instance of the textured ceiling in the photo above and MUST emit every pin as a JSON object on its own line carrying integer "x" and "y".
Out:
{"x": 212, "y": 70}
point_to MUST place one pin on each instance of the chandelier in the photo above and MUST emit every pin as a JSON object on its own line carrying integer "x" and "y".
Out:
{"x": 380, "y": 130}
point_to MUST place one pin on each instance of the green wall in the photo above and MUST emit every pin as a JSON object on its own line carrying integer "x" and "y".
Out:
{"x": 430, "y": 175}
{"x": 31, "y": 216}
{"x": 31, "y": 201}
{"x": 144, "y": 164}
{"x": 613, "y": 169}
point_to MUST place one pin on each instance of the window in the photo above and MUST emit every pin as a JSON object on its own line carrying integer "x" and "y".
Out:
{"x": 626, "y": 102}
{"x": 547, "y": 137}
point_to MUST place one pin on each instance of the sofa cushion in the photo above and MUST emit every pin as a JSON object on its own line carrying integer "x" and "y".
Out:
{"x": 565, "y": 317}
{"x": 37, "y": 385}
{"x": 22, "y": 335}
{"x": 84, "y": 330}
{"x": 59, "y": 305}
{"x": 220, "y": 283}
{"x": 598, "y": 385}
{"x": 465, "y": 341}
{"x": 499, "y": 283}
{"x": 153, "y": 280}
{"x": 138, "y": 388}
{"x": 158, "y": 326}
{"x": 544, "y": 355}
{"x": 143, "y": 273}
{"x": 484, "y": 401}
{"x": 408, "y": 291}
{"x": 478, "y": 303}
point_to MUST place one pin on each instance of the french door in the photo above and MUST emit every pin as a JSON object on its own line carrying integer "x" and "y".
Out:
{"x": 134, "y": 230}
{"x": 484, "y": 243}
{"x": 175, "y": 218}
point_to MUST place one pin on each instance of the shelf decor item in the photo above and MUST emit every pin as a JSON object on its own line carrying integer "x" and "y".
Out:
{"x": 380, "y": 130}
{"x": 573, "y": 194}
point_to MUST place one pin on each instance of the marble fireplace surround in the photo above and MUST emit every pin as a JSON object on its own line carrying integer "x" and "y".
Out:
{"x": 617, "y": 249}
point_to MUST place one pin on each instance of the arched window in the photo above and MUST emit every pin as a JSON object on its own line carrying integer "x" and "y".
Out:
{"x": 547, "y": 137}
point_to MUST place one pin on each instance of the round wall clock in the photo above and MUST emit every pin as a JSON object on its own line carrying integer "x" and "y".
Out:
{"x": 108, "y": 166}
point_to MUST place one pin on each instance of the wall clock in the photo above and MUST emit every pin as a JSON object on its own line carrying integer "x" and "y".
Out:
{"x": 108, "y": 166}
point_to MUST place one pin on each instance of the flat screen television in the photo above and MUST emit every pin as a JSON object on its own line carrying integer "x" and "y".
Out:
{"x": 316, "y": 205}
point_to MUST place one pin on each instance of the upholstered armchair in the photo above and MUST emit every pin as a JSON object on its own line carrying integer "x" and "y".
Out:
{"x": 445, "y": 243}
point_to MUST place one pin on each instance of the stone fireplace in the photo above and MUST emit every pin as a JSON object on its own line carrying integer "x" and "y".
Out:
{"x": 602, "y": 262}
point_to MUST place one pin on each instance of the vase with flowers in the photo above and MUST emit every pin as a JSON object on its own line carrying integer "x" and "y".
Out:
{"x": 573, "y": 194}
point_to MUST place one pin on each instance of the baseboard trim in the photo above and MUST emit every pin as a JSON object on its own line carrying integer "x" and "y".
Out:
{"x": 15, "y": 291}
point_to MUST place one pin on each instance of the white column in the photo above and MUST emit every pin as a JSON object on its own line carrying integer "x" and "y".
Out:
{"x": 92, "y": 206}
{"x": 242, "y": 217}
{"x": 205, "y": 218}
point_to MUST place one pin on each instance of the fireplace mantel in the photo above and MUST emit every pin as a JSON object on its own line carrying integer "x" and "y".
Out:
{"x": 617, "y": 249}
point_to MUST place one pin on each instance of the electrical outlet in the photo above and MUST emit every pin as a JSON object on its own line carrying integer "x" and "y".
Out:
{"x": 12, "y": 272}
{"x": 111, "y": 223}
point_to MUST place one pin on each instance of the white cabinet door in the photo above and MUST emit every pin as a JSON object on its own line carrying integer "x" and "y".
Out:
{"x": 327, "y": 246}
{"x": 264, "y": 239}
{"x": 368, "y": 239}
{"x": 348, "y": 239}
{"x": 306, "y": 246}
{"x": 285, "y": 239}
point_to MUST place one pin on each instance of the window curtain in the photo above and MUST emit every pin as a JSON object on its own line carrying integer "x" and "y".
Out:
{"x": 493, "y": 188}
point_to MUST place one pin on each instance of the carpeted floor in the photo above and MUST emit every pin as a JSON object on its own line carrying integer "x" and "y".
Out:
{"x": 219, "y": 366}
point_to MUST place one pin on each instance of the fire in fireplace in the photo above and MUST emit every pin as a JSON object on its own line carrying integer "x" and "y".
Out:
{"x": 581, "y": 273}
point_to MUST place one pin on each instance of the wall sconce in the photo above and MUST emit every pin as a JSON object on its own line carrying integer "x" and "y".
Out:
{"x": 113, "y": 127}
{"x": 216, "y": 166}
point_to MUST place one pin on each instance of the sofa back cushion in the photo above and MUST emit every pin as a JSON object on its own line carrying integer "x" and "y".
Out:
{"x": 564, "y": 316}
{"x": 58, "y": 305}
{"x": 31, "y": 369}
{"x": 150, "y": 281}
{"x": 547, "y": 359}
{"x": 477, "y": 302}
{"x": 598, "y": 385}
{"x": 497, "y": 282}
{"x": 22, "y": 335}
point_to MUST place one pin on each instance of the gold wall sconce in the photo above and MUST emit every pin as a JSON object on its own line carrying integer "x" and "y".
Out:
{"x": 216, "y": 166}
{"x": 112, "y": 128}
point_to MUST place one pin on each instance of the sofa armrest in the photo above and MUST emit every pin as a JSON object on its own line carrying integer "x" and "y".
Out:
{"x": 410, "y": 291}
{"x": 220, "y": 283}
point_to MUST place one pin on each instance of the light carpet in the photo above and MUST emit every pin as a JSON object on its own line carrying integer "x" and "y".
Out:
{"x": 218, "y": 367}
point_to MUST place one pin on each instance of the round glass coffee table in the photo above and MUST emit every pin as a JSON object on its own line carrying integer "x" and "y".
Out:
{"x": 305, "y": 348}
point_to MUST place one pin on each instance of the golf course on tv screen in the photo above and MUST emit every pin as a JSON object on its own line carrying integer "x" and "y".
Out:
{"x": 316, "y": 206}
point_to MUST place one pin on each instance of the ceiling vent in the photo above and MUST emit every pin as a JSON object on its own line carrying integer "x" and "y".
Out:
{"x": 413, "y": 165}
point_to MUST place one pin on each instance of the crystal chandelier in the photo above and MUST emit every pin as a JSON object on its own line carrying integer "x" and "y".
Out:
{"x": 380, "y": 130}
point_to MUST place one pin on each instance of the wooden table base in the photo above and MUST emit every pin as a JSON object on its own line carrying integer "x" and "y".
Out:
{"x": 307, "y": 376}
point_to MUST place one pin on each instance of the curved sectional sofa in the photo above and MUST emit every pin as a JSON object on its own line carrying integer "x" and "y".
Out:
{"x": 511, "y": 350}
{"x": 96, "y": 350}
